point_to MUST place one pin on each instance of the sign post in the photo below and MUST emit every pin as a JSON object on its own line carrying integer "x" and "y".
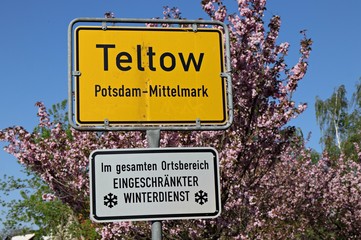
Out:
{"x": 153, "y": 137}
{"x": 151, "y": 78}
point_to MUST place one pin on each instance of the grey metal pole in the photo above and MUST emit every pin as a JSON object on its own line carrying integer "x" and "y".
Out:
{"x": 156, "y": 230}
{"x": 153, "y": 137}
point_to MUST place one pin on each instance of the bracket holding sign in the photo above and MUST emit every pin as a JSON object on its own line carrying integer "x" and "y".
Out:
{"x": 144, "y": 78}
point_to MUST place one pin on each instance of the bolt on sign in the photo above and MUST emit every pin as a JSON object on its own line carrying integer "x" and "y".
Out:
{"x": 149, "y": 76}
{"x": 154, "y": 184}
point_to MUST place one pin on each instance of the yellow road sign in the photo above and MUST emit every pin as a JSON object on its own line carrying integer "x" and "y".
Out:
{"x": 149, "y": 76}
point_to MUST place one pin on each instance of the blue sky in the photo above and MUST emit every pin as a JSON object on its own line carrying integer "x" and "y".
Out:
{"x": 33, "y": 51}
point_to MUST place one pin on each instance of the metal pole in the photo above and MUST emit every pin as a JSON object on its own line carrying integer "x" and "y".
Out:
{"x": 153, "y": 137}
{"x": 156, "y": 230}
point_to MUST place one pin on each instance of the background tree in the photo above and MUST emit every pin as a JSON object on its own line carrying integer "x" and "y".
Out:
{"x": 331, "y": 115}
{"x": 33, "y": 210}
{"x": 270, "y": 187}
{"x": 340, "y": 120}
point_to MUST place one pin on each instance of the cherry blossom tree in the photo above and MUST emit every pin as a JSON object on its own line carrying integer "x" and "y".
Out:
{"x": 270, "y": 187}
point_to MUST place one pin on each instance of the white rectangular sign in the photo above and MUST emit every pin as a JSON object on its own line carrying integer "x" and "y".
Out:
{"x": 154, "y": 184}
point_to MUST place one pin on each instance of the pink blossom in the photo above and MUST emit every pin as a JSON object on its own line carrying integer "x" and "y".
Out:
{"x": 48, "y": 197}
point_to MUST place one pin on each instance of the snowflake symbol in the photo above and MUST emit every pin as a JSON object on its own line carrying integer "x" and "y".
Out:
{"x": 201, "y": 197}
{"x": 110, "y": 200}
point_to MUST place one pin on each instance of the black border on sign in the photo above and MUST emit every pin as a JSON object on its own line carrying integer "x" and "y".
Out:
{"x": 93, "y": 211}
{"x": 189, "y": 122}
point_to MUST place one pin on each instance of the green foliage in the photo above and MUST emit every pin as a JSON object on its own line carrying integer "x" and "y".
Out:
{"x": 331, "y": 115}
{"x": 84, "y": 230}
{"x": 58, "y": 112}
{"x": 340, "y": 122}
{"x": 31, "y": 211}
